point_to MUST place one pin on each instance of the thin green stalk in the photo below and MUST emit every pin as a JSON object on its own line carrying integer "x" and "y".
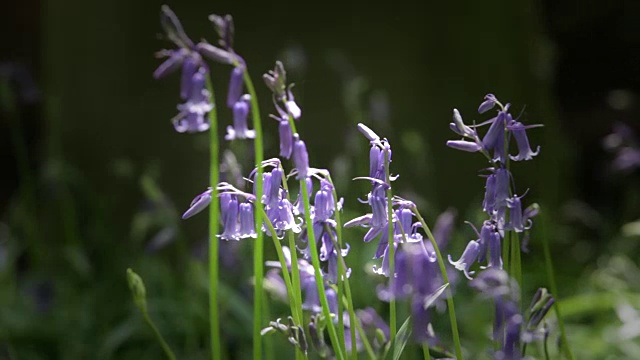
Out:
{"x": 296, "y": 307}
{"x": 156, "y": 332}
{"x": 552, "y": 283}
{"x": 268, "y": 346}
{"x": 365, "y": 341}
{"x": 214, "y": 208}
{"x": 516, "y": 266}
{"x": 339, "y": 294}
{"x": 443, "y": 271}
{"x": 342, "y": 271}
{"x": 391, "y": 247}
{"x": 352, "y": 318}
{"x": 315, "y": 260}
{"x": 425, "y": 352}
{"x": 258, "y": 249}
{"x": 295, "y": 271}
{"x": 506, "y": 254}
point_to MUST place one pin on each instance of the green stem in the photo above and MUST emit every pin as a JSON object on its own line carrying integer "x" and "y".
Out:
{"x": 258, "y": 249}
{"x": 425, "y": 352}
{"x": 315, "y": 260}
{"x": 506, "y": 254}
{"x": 350, "y": 309}
{"x": 214, "y": 208}
{"x": 163, "y": 343}
{"x": 443, "y": 271}
{"x": 365, "y": 341}
{"x": 516, "y": 266}
{"x": 391, "y": 246}
{"x": 342, "y": 271}
{"x": 295, "y": 272}
{"x": 552, "y": 283}
{"x": 296, "y": 307}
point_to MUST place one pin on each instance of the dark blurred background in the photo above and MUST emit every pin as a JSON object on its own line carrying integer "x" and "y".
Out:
{"x": 92, "y": 172}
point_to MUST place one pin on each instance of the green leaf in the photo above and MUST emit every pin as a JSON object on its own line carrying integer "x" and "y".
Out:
{"x": 401, "y": 339}
{"x": 436, "y": 294}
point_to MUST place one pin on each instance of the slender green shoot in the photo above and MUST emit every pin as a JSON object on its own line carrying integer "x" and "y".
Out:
{"x": 445, "y": 277}
{"x": 342, "y": 270}
{"x": 315, "y": 259}
{"x": 214, "y": 209}
{"x": 425, "y": 352}
{"x": 296, "y": 310}
{"x": 391, "y": 248}
{"x": 258, "y": 247}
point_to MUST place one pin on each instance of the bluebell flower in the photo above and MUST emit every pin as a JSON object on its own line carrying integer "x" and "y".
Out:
{"x": 300, "y": 158}
{"x": 468, "y": 258}
{"x": 464, "y": 145}
{"x": 324, "y": 205}
{"x": 459, "y": 127}
{"x": 377, "y": 199}
{"x": 237, "y": 218}
{"x": 417, "y": 278}
{"x": 503, "y": 178}
{"x": 236, "y": 82}
{"x": 520, "y": 135}
{"x": 271, "y": 184}
{"x": 229, "y": 213}
{"x": 240, "y": 130}
{"x": 496, "y": 130}
{"x": 489, "y": 102}
{"x": 286, "y": 138}
{"x": 193, "y": 113}
{"x": 247, "y": 225}
{"x": 511, "y": 347}
{"x": 292, "y": 108}
{"x": 198, "y": 204}
{"x": 517, "y": 222}
{"x": 281, "y": 216}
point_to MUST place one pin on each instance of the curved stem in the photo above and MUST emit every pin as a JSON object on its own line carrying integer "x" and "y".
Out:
{"x": 365, "y": 341}
{"x": 295, "y": 271}
{"x": 258, "y": 247}
{"x": 315, "y": 260}
{"x": 296, "y": 307}
{"x": 350, "y": 309}
{"x": 342, "y": 271}
{"x": 214, "y": 321}
{"x": 156, "y": 332}
{"x": 445, "y": 277}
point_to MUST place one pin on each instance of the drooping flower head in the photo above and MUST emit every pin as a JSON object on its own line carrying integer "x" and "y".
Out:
{"x": 192, "y": 115}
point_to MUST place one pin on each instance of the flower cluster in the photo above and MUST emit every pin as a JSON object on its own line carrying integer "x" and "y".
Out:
{"x": 415, "y": 274}
{"x": 318, "y": 281}
{"x": 193, "y": 113}
{"x": 502, "y": 205}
